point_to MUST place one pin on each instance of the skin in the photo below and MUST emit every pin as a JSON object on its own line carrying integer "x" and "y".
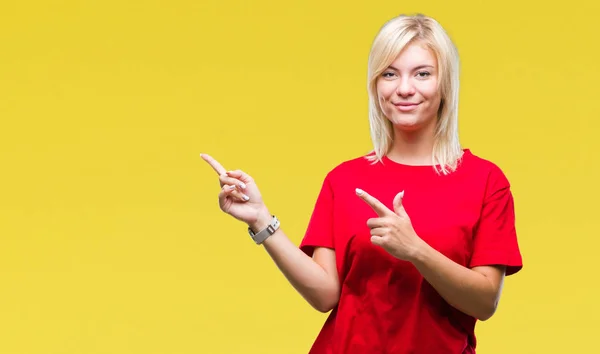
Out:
{"x": 411, "y": 79}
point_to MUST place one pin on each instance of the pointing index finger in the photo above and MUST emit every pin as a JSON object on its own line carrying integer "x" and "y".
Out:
{"x": 219, "y": 169}
{"x": 375, "y": 204}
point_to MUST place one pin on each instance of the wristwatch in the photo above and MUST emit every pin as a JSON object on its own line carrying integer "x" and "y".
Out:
{"x": 262, "y": 235}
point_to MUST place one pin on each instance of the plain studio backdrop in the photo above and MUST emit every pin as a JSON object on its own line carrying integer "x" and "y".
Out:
{"x": 111, "y": 239}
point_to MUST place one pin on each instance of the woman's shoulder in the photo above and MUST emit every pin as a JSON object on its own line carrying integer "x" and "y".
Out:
{"x": 476, "y": 164}
{"x": 350, "y": 166}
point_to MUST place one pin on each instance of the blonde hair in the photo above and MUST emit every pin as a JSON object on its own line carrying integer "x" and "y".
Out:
{"x": 392, "y": 38}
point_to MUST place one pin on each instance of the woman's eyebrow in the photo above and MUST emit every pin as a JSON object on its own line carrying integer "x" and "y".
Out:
{"x": 417, "y": 68}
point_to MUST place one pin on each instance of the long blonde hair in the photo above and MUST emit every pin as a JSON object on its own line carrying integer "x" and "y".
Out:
{"x": 394, "y": 36}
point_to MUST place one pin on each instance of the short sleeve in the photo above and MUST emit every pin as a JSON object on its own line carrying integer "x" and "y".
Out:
{"x": 319, "y": 232}
{"x": 495, "y": 239}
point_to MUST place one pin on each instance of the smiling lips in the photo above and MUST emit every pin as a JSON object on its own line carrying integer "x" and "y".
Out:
{"x": 406, "y": 106}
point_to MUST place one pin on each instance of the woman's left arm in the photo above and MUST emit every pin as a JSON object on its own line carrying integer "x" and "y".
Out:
{"x": 475, "y": 291}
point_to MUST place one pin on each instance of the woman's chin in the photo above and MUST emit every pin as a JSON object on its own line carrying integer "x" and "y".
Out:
{"x": 406, "y": 125}
{"x": 410, "y": 123}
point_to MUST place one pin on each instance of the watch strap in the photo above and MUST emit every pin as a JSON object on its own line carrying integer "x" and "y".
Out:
{"x": 262, "y": 235}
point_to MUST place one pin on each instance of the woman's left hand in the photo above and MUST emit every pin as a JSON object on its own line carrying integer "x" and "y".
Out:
{"x": 392, "y": 230}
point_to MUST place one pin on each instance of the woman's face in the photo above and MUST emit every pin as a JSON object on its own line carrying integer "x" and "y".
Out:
{"x": 408, "y": 89}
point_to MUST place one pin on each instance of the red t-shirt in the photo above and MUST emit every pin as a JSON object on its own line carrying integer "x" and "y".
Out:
{"x": 385, "y": 305}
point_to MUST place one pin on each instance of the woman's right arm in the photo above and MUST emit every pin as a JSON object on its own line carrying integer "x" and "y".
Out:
{"x": 315, "y": 278}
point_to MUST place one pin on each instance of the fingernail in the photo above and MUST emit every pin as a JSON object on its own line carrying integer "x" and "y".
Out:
{"x": 246, "y": 198}
{"x": 231, "y": 187}
{"x": 402, "y": 194}
{"x": 359, "y": 191}
{"x": 243, "y": 185}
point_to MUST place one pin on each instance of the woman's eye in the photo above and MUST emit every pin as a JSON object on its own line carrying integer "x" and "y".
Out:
{"x": 423, "y": 74}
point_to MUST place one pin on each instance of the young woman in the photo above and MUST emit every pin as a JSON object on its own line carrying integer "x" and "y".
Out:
{"x": 407, "y": 246}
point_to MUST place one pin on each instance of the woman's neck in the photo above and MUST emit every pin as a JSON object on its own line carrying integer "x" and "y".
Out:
{"x": 412, "y": 148}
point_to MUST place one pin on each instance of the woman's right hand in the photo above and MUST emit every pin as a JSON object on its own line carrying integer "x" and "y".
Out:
{"x": 239, "y": 196}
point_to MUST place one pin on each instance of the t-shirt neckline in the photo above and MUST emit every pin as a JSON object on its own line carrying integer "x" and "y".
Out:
{"x": 391, "y": 162}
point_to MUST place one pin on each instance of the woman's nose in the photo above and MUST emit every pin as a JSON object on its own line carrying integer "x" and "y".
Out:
{"x": 405, "y": 88}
